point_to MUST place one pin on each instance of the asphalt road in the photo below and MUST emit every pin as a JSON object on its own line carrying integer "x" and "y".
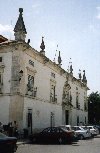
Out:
{"x": 83, "y": 146}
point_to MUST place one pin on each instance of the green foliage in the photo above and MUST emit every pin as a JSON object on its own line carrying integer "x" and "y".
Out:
{"x": 94, "y": 108}
{"x": 94, "y": 97}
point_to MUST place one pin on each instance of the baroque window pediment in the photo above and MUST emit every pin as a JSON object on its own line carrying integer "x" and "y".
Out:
{"x": 31, "y": 71}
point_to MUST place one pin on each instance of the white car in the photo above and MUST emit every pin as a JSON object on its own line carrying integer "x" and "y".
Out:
{"x": 81, "y": 133}
{"x": 67, "y": 127}
{"x": 94, "y": 131}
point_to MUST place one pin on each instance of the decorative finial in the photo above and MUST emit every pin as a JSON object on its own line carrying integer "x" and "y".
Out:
{"x": 84, "y": 77}
{"x": 80, "y": 74}
{"x": 59, "y": 59}
{"x": 42, "y": 45}
{"x": 28, "y": 41}
{"x": 20, "y": 10}
{"x": 20, "y": 30}
{"x": 70, "y": 67}
{"x": 54, "y": 60}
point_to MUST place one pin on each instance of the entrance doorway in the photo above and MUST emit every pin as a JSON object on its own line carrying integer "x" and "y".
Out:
{"x": 66, "y": 117}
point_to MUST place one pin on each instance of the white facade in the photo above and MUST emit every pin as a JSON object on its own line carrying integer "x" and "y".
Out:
{"x": 44, "y": 95}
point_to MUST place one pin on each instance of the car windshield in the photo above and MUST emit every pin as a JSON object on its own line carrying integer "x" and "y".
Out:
{"x": 77, "y": 128}
{"x": 73, "y": 128}
{"x": 2, "y": 135}
{"x": 64, "y": 129}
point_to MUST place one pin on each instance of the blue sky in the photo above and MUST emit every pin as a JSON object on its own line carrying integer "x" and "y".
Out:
{"x": 73, "y": 25}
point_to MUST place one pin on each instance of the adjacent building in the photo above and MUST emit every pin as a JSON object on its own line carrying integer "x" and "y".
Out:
{"x": 35, "y": 91}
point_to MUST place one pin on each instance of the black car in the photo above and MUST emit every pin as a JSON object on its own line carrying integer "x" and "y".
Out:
{"x": 52, "y": 135}
{"x": 7, "y": 144}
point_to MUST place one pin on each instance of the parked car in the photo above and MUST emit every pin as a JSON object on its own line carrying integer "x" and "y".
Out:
{"x": 52, "y": 135}
{"x": 7, "y": 144}
{"x": 98, "y": 127}
{"x": 81, "y": 133}
{"x": 69, "y": 128}
{"x": 94, "y": 131}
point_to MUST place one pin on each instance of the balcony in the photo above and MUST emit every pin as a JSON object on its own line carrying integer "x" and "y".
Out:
{"x": 1, "y": 86}
{"x": 2, "y": 65}
{"x": 53, "y": 99}
{"x": 67, "y": 103}
{"x": 77, "y": 105}
{"x": 31, "y": 91}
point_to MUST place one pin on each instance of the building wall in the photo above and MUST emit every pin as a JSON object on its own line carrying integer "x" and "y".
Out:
{"x": 16, "y": 109}
{"x": 4, "y": 109}
{"x": 43, "y": 78}
{"x": 41, "y": 113}
{"x": 16, "y": 58}
{"x": 78, "y": 112}
{"x": 7, "y": 63}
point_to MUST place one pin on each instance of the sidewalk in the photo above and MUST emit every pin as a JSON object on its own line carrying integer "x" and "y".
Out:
{"x": 22, "y": 141}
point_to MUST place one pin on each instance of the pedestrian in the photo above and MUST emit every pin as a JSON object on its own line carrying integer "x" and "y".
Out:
{"x": 10, "y": 129}
{"x": 15, "y": 129}
{"x": 1, "y": 127}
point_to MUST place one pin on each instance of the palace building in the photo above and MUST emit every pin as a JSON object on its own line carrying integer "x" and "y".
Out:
{"x": 35, "y": 91}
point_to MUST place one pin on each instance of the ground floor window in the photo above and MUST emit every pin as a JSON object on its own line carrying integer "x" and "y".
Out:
{"x": 29, "y": 119}
{"x": 52, "y": 119}
{"x": 77, "y": 120}
{"x": 66, "y": 117}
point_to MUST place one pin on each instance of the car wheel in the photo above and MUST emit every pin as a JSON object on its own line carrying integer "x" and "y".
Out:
{"x": 81, "y": 137}
{"x": 12, "y": 149}
{"x": 15, "y": 148}
{"x": 34, "y": 140}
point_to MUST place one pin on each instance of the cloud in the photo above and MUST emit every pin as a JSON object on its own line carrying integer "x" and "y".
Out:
{"x": 92, "y": 28}
{"x": 98, "y": 8}
{"x": 98, "y": 15}
{"x": 6, "y": 28}
{"x": 35, "y": 6}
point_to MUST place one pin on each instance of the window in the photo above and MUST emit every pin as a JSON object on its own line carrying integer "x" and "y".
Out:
{"x": 31, "y": 63}
{"x": 52, "y": 119}
{"x": 85, "y": 119}
{"x": 0, "y": 79}
{"x": 53, "y": 97}
{"x": 0, "y": 59}
{"x": 1, "y": 82}
{"x": 29, "y": 120}
{"x": 53, "y": 74}
{"x": 85, "y": 102}
{"x": 31, "y": 90}
{"x": 77, "y": 120}
{"x": 77, "y": 100}
{"x": 30, "y": 83}
{"x": 29, "y": 117}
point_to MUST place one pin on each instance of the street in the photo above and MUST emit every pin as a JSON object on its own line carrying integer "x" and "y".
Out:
{"x": 83, "y": 146}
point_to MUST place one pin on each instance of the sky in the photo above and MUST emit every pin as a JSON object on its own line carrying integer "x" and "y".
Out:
{"x": 69, "y": 26}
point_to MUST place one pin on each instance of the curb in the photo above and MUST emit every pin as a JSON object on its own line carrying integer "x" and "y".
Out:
{"x": 22, "y": 142}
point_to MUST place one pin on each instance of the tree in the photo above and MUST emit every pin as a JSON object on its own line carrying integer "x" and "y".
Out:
{"x": 94, "y": 108}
